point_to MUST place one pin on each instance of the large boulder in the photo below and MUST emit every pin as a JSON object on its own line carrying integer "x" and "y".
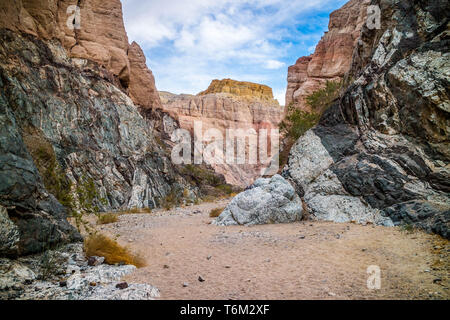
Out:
{"x": 267, "y": 201}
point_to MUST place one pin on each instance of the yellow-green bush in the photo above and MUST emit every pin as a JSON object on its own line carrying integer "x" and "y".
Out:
{"x": 216, "y": 212}
{"x": 102, "y": 246}
{"x": 107, "y": 218}
{"x": 297, "y": 121}
{"x": 321, "y": 99}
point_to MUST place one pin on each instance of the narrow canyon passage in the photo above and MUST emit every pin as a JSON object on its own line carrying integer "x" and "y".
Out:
{"x": 305, "y": 260}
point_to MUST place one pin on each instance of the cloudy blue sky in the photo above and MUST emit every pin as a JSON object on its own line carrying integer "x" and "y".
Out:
{"x": 190, "y": 42}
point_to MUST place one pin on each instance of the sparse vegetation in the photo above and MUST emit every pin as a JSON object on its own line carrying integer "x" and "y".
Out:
{"x": 225, "y": 188}
{"x": 216, "y": 212}
{"x": 53, "y": 176}
{"x": 107, "y": 218}
{"x": 201, "y": 175}
{"x": 103, "y": 246}
{"x": 48, "y": 265}
{"x": 407, "y": 227}
{"x": 83, "y": 200}
{"x": 321, "y": 100}
{"x": 137, "y": 211}
{"x": 170, "y": 201}
{"x": 297, "y": 121}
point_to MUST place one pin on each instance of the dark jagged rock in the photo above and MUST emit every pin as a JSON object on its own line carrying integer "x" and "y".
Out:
{"x": 69, "y": 109}
{"x": 381, "y": 153}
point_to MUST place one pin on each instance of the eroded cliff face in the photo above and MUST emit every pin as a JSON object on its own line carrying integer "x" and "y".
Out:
{"x": 245, "y": 90}
{"x": 381, "y": 153}
{"x": 332, "y": 57}
{"x": 70, "y": 108}
{"x": 228, "y": 104}
{"x": 100, "y": 36}
{"x": 76, "y": 114}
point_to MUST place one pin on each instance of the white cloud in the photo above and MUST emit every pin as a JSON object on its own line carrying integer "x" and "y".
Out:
{"x": 274, "y": 64}
{"x": 189, "y": 43}
{"x": 280, "y": 95}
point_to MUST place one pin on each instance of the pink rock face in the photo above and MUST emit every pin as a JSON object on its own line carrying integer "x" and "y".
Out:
{"x": 101, "y": 38}
{"x": 142, "y": 87}
{"x": 332, "y": 57}
{"x": 226, "y": 111}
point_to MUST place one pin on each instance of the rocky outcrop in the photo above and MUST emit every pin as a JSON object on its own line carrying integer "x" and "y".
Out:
{"x": 66, "y": 274}
{"x": 222, "y": 111}
{"x": 266, "y": 201}
{"x": 142, "y": 89}
{"x": 242, "y": 89}
{"x": 332, "y": 57}
{"x": 70, "y": 110}
{"x": 93, "y": 32}
{"x": 9, "y": 233}
{"x": 381, "y": 153}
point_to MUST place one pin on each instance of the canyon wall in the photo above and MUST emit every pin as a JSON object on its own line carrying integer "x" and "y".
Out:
{"x": 380, "y": 154}
{"x": 97, "y": 34}
{"x": 72, "y": 139}
{"x": 332, "y": 57}
{"x": 228, "y": 104}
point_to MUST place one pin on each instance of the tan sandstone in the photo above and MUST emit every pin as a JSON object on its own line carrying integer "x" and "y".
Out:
{"x": 240, "y": 88}
{"x": 223, "y": 107}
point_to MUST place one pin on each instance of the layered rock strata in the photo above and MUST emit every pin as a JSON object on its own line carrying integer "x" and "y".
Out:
{"x": 228, "y": 104}
{"x": 381, "y": 153}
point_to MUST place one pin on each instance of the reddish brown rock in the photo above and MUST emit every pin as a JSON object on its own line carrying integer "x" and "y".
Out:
{"x": 332, "y": 57}
{"x": 142, "y": 82}
{"x": 250, "y": 106}
{"x": 101, "y": 38}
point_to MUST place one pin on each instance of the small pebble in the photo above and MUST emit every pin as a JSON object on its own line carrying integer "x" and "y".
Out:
{"x": 122, "y": 285}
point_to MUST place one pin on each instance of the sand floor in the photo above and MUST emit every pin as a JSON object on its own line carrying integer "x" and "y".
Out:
{"x": 304, "y": 260}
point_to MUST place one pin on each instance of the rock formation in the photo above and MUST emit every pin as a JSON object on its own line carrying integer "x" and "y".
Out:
{"x": 266, "y": 201}
{"x": 332, "y": 57}
{"x": 242, "y": 89}
{"x": 228, "y": 104}
{"x": 68, "y": 124}
{"x": 381, "y": 153}
{"x": 54, "y": 107}
{"x": 97, "y": 34}
{"x": 142, "y": 89}
{"x": 28, "y": 278}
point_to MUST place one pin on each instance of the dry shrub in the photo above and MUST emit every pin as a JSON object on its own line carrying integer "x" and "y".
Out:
{"x": 137, "y": 211}
{"x": 102, "y": 246}
{"x": 107, "y": 218}
{"x": 216, "y": 212}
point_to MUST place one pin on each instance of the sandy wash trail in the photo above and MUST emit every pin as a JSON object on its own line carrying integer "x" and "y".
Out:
{"x": 305, "y": 260}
